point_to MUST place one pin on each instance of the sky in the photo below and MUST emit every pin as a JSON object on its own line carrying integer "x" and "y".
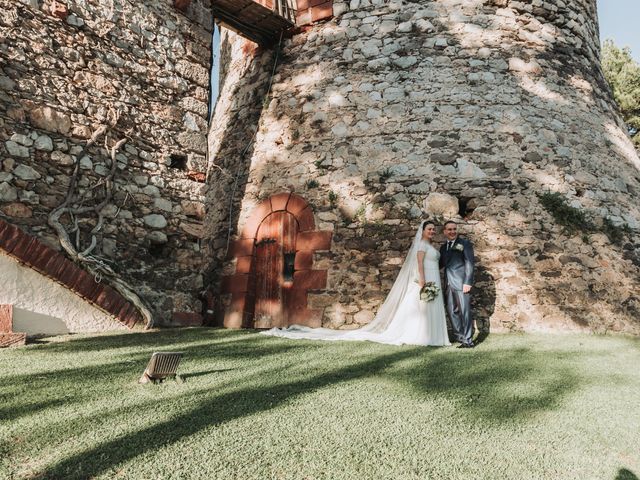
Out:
{"x": 620, "y": 20}
{"x": 215, "y": 68}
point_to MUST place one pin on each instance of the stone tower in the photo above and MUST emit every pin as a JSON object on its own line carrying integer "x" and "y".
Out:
{"x": 326, "y": 151}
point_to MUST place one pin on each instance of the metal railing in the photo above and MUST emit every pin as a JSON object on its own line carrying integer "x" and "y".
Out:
{"x": 286, "y": 9}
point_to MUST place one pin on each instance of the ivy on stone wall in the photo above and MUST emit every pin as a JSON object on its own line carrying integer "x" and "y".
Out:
{"x": 575, "y": 220}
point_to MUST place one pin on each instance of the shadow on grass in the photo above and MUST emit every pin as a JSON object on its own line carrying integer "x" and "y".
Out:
{"x": 482, "y": 336}
{"x": 213, "y": 411}
{"x": 494, "y": 386}
{"x": 204, "y": 373}
{"x": 10, "y": 411}
{"x": 195, "y": 342}
{"x": 624, "y": 474}
{"x": 153, "y": 338}
{"x": 125, "y": 367}
{"x": 488, "y": 384}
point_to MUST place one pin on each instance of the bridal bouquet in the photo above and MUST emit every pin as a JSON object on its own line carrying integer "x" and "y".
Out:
{"x": 429, "y": 292}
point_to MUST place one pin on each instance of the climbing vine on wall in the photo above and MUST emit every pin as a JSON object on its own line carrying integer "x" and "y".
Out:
{"x": 86, "y": 206}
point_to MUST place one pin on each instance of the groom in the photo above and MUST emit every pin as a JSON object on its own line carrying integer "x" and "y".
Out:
{"x": 456, "y": 258}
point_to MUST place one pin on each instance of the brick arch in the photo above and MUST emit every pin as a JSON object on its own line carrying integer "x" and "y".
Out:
{"x": 241, "y": 285}
{"x": 31, "y": 252}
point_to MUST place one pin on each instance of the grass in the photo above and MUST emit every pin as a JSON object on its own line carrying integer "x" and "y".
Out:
{"x": 385, "y": 175}
{"x": 256, "y": 407}
{"x": 312, "y": 184}
{"x": 333, "y": 199}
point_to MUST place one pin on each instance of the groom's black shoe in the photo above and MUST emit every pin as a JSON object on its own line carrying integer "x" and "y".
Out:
{"x": 467, "y": 345}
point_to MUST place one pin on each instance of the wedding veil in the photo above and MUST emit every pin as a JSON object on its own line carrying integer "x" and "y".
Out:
{"x": 386, "y": 313}
{"x": 408, "y": 273}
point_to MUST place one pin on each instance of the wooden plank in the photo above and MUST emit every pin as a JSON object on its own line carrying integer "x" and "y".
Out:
{"x": 251, "y": 20}
{"x": 276, "y": 236}
{"x": 268, "y": 265}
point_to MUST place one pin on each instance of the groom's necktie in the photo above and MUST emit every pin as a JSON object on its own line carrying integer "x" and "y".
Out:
{"x": 449, "y": 245}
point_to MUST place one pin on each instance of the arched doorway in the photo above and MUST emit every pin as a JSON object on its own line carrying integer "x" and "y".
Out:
{"x": 274, "y": 274}
{"x": 274, "y": 267}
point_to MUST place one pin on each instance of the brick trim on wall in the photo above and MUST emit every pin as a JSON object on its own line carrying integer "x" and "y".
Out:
{"x": 241, "y": 284}
{"x": 31, "y": 252}
{"x": 311, "y": 11}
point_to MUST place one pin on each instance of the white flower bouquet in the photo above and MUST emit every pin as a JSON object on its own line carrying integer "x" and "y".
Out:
{"x": 429, "y": 291}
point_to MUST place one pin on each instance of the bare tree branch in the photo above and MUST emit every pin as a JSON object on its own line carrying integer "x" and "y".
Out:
{"x": 97, "y": 267}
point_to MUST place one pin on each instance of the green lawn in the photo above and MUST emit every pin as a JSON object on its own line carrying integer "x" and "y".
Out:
{"x": 257, "y": 407}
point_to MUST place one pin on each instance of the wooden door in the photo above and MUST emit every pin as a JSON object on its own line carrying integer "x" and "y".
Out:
{"x": 275, "y": 252}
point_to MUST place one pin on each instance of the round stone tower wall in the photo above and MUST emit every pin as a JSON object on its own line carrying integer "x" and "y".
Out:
{"x": 494, "y": 113}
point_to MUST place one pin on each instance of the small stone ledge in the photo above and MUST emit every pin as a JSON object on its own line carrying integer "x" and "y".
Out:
{"x": 9, "y": 338}
{"x": 186, "y": 319}
{"x": 12, "y": 339}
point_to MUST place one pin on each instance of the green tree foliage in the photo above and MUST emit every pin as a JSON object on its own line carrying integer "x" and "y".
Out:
{"x": 623, "y": 74}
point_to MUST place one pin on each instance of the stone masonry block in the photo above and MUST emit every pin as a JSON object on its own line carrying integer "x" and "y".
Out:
{"x": 312, "y": 241}
{"x": 303, "y": 17}
{"x": 279, "y": 201}
{"x": 235, "y": 283}
{"x": 310, "y": 279}
{"x": 238, "y": 314}
{"x": 241, "y": 248}
{"x": 187, "y": 319}
{"x": 296, "y": 205}
{"x": 305, "y": 220}
{"x": 260, "y": 212}
{"x": 303, "y": 261}
{"x": 322, "y": 12}
{"x": 244, "y": 264}
{"x": 296, "y": 299}
{"x": 307, "y": 317}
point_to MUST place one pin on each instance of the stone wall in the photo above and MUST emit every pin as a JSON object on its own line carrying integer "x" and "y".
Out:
{"x": 399, "y": 110}
{"x": 142, "y": 69}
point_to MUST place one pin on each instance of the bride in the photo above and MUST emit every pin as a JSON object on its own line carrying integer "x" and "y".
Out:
{"x": 403, "y": 318}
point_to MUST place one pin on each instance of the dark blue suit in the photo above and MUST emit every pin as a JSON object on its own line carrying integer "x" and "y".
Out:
{"x": 458, "y": 264}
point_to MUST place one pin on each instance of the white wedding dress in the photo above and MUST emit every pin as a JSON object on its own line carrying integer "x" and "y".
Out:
{"x": 403, "y": 318}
